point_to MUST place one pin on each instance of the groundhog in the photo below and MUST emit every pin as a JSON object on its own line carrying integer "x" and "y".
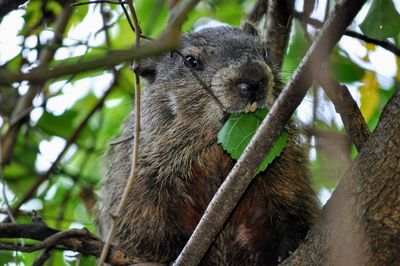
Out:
{"x": 182, "y": 165}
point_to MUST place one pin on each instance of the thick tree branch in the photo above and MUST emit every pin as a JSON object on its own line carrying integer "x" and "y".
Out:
{"x": 360, "y": 223}
{"x": 243, "y": 172}
{"x": 278, "y": 25}
{"x": 347, "y": 108}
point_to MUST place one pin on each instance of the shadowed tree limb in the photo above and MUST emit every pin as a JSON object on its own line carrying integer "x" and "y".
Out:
{"x": 243, "y": 172}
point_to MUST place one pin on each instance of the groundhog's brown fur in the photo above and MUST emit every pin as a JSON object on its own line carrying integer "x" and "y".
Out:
{"x": 182, "y": 166}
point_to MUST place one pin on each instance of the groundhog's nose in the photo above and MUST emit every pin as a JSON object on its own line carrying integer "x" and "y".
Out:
{"x": 251, "y": 89}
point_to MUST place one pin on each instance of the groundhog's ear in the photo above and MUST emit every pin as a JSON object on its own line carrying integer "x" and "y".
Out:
{"x": 249, "y": 28}
{"x": 147, "y": 68}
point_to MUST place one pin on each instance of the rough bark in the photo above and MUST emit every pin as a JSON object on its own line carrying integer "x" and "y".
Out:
{"x": 360, "y": 224}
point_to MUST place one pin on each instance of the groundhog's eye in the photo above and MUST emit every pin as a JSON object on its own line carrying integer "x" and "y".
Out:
{"x": 265, "y": 53}
{"x": 193, "y": 61}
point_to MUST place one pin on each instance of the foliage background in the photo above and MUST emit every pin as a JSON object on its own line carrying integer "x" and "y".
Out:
{"x": 371, "y": 73}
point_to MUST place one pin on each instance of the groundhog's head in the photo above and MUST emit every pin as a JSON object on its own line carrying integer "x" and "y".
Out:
{"x": 232, "y": 62}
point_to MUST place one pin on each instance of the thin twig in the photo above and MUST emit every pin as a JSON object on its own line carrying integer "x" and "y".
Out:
{"x": 135, "y": 153}
{"x": 98, "y": 2}
{"x": 122, "y": 3}
{"x": 128, "y": 18}
{"x": 244, "y": 171}
{"x": 384, "y": 44}
{"x": 120, "y": 141}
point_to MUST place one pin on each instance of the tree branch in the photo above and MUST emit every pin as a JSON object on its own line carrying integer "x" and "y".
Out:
{"x": 360, "y": 223}
{"x": 278, "y": 25}
{"x": 80, "y": 240}
{"x": 165, "y": 43}
{"x": 243, "y": 172}
{"x": 347, "y": 108}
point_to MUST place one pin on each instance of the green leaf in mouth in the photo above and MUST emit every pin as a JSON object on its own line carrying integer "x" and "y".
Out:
{"x": 237, "y": 132}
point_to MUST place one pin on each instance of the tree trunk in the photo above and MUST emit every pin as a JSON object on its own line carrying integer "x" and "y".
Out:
{"x": 360, "y": 224}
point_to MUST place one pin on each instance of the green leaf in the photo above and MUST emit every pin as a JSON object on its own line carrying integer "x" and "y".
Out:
{"x": 238, "y": 131}
{"x": 382, "y": 20}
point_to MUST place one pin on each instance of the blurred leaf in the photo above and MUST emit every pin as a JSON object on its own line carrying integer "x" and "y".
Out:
{"x": 124, "y": 36}
{"x": 113, "y": 118}
{"x": 153, "y": 15}
{"x": 27, "y": 148}
{"x": 33, "y": 14}
{"x": 6, "y": 258}
{"x": 77, "y": 16}
{"x": 87, "y": 261}
{"x": 17, "y": 171}
{"x": 343, "y": 69}
{"x": 65, "y": 124}
{"x": 238, "y": 131}
{"x": 61, "y": 125}
{"x": 382, "y": 20}
{"x": 369, "y": 95}
{"x": 14, "y": 64}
